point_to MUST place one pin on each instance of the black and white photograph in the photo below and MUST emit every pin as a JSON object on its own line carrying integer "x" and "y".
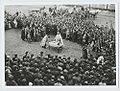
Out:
{"x": 60, "y": 45}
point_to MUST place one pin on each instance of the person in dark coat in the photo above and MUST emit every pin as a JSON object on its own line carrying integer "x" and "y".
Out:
{"x": 32, "y": 34}
{"x": 11, "y": 81}
{"x": 86, "y": 39}
{"x": 23, "y": 34}
{"x": 84, "y": 52}
{"x": 26, "y": 55}
{"x": 15, "y": 58}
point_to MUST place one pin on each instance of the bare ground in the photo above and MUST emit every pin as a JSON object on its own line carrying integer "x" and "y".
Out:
{"x": 14, "y": 44}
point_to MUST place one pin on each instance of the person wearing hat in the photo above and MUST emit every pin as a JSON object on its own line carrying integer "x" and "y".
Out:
{"x": 24, "y": 82}
{"x": 40, "y": 57}
{"x": 32, "y": 58}
{"x": 41, "y": 82}
{"x": 15, "y": 58}
{"x": 36, "y": 82}
{"x": 26, "y": 55}
{"x": 51, "y": 82}
{"x": 58, "y": 83}
{"x": 11, "y": 81}
{"x": 84, "y": 53}
{"x": 23, "y": 34}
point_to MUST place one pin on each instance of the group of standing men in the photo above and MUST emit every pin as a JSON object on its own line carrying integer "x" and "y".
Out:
{"x": 32, "y": 34}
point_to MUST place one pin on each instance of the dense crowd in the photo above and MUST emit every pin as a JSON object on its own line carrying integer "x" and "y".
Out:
{"x": 57, "y": 70}
{"x": 13, "y": 21}
{"x": 96, "y": 67}
{"x": 73, "y": 26}
{"x": 37, "y": 23}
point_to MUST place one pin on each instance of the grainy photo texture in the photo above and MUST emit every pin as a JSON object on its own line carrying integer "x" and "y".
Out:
{"x": 60, "y": 45}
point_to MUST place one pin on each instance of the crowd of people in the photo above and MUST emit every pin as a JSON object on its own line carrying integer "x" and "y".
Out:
{"x": 96, "y": 67}
{"x": 13, "y": 20}
{"x": 37, "y": 23}
{"x": 73, "y": 26}
{"x": 49, "y": 70}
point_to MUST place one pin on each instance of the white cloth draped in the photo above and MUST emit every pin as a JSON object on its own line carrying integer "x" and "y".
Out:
{"x": 44, "y": 40}
{"x": 58, "y": 42}
{"x": 58, "y": 38}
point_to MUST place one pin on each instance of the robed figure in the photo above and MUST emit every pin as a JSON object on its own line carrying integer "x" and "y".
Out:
{"x": 84, "y": 52}
{"x": 23, "y": 34}
{"x": 44, "y": 42}
{"x": 58, "y": 39}
{"x": 15, "y": 23}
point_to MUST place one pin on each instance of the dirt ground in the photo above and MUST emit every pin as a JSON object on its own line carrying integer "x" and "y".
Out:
{"x": 14, "y": 44}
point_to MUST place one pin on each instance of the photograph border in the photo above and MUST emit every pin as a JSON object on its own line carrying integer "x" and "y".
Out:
{"x": 59, "y": 3}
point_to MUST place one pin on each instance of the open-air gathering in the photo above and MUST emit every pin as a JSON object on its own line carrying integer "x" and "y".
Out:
{"x": 60, "y": 45}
